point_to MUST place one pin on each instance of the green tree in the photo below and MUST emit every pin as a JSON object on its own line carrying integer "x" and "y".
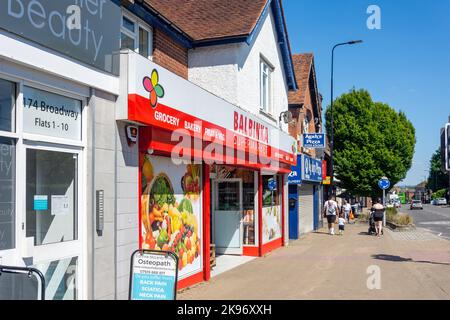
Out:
{"x": 371, "y": 140}
{"x": 437, "y": 179}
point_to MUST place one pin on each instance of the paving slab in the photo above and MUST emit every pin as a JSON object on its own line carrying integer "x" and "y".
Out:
{"x": 352, "y": 266}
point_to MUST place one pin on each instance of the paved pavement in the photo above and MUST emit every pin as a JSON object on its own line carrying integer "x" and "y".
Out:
{"x": 320, "y": 266}
{"x": 435, "y": 219}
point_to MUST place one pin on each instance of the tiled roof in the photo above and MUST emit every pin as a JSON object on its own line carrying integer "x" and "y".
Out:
{"x": 302, "y": 67}
{"x": 211, "y": 19}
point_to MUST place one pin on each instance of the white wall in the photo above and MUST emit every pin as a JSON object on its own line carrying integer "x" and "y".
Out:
{"x": 232, "y": 71}
{"x": 266, "y": 46}
{"x": 215, "y": 70}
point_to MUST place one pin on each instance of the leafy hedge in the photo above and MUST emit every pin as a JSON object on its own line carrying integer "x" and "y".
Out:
{"x": 439, "y": 194}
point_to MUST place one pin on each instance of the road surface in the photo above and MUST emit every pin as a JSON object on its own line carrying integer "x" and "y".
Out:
{"x": 436, "y": 219}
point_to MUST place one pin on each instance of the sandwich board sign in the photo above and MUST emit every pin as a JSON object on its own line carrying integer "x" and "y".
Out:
{"x": 153, "y": 275}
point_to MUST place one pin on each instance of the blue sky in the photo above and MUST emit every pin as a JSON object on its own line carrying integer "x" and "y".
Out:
{"x": 405, "y": 64}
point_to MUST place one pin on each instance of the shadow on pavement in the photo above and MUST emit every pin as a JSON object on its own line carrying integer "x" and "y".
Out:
{"x": 389, "y": 257}
{"x": 321, "y": 232}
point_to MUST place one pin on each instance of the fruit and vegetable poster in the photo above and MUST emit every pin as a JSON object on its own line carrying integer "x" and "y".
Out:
{"x": 271, "y": 223}
{"x": 171, "y": 210}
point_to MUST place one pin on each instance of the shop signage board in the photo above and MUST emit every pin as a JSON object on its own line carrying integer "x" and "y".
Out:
{"x": 295, "y": 177}
{"x": 314, "y": 140}
{"x": 87, "y": 30}
{"x": 153, "y": 275}
{"x": 159, "y": 98}
{"x": 50, "y": 114}
{"x": 312, "y": 169}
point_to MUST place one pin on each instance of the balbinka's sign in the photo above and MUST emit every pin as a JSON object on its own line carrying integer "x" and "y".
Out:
{"x": 250, "y": 128}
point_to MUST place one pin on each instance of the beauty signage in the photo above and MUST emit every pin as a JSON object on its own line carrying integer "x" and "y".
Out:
{"x": 153, "y": 275}
{"x": 87, "y": 30}
{"x": 49, "y": 114}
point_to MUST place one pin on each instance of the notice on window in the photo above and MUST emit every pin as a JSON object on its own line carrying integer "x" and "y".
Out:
{"x": 60, "y": 205}
{"x": 40, "y": 202}
{"x": 154, "y": 276}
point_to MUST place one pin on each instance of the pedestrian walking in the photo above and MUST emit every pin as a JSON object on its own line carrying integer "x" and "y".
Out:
{"x": 330, "y": 211}
{"x": 347, "y": 208}
{"x": 341, "y": 225}
{"x": 378, "y": 215}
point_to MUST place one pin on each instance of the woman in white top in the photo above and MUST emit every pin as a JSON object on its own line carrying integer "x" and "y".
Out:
{"x": 346, "y": 208}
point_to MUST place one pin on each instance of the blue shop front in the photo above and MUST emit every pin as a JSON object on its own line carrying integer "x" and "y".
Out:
{"x": 305, "y": 196}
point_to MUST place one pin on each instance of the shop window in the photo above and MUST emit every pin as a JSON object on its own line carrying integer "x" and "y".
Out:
{"x": 266, "y": 87}
{"x": 271, "y": 210}
{"x": 249, "y": 194}
{"x": 7, "y": 104}
{"x": 51, "y": 196}
{"x": 270, "y": 197}
{"x": 7, "y": 193}
{"x": 136, "y": 36}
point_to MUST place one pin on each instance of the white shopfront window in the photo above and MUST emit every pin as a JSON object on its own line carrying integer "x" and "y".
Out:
{"x": 42, "y": 208}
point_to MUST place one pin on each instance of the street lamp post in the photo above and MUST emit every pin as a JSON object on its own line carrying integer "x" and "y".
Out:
{"x": 331, "y": 110}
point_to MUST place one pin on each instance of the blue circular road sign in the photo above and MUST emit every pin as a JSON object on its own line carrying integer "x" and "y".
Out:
{"x": 384, "y": 184}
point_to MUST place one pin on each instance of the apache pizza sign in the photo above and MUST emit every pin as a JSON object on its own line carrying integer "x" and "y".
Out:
{"x": 161, "y": 99}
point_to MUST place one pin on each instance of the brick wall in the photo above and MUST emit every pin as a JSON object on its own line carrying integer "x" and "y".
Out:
{"x": 169, "y": 54}
{"x": 296, "y": 128}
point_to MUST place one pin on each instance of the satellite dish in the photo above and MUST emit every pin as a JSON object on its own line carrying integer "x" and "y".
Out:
{"x": 287, "y": 116}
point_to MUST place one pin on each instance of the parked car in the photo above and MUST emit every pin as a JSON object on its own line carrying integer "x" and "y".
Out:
{"x": 416, "y": 204}
{"x": 434, "y": 202}
{"x": 441, "y": 201}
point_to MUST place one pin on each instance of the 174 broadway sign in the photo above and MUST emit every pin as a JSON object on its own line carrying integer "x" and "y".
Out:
{"x": 87, "y": 30}
{"x": 314, "y": 140}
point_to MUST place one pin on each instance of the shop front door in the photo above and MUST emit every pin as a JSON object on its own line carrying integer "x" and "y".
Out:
{"x": 52, "y": 218}
{"x": 228, "y": 210}
{"x": 46, "y": 229}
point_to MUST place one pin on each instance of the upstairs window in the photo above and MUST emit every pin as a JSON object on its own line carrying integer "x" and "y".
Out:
{"x": 266, "y": 87}
{"x": 136, "y": 36}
